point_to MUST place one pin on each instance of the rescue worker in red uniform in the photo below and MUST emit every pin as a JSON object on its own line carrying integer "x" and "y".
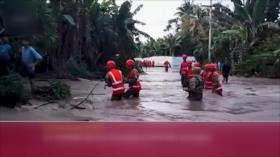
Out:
{"x": 146, "y": 64}
{"x": 190, "y": 70}
{"x": 132, "y": 79}
{"x": 195, "y": 88}
{"x": 114, "y": 79}
{"x": 184, "y": 70}
{"x": 212, "y": 79}
{"x": 189, "y": 74}
{"x": 167, "y": 65}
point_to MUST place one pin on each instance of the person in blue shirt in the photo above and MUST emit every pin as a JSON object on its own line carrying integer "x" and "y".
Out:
{"x": 29, "y": 58}
{"x": 5, "y": 56}
{"x": 10, "y": 52}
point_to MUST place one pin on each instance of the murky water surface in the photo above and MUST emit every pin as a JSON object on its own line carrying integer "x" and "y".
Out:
{"x": 162, "y": 99}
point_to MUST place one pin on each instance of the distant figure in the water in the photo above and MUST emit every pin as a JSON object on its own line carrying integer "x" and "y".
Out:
{"x": 167, "y": 65}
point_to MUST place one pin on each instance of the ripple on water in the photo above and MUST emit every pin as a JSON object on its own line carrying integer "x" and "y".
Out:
{"x": 241, "y": 110}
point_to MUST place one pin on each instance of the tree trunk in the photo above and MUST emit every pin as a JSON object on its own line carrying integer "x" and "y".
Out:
{"x": 232, "y": 55}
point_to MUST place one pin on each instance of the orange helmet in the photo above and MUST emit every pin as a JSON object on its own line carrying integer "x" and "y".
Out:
{"x": 196, "y": 65}
{"x": 111, "y": 64}
{"x": 184, "y": 56}
{"x": 129, "y": 63}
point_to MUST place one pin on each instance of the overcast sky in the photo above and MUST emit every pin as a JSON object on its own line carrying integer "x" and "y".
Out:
{"x": 156, "y": 13}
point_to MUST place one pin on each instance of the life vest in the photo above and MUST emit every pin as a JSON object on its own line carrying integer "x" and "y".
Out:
{"x": 184, "y": 68}
{"x": 190, "y": 74}
{"x": 202, "y": 73}
{"x": 137, "y": 86}
{"x": 208, "y": 84}
{"x": 117, "y": 81}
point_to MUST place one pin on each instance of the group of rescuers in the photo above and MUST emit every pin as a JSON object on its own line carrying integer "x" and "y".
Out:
{"x": 193, "y": 79}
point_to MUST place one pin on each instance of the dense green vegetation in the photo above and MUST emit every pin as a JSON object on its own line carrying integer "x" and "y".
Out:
{"x": 13, "y": 90}
{"x": 56, "y": 90}
{"x": 87, "y": 32}
{"x": 77, "y": 37}
{"x": 247, "y": 36}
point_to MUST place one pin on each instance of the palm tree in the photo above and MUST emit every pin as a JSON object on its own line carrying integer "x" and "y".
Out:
{"x": 171, "y": 42}
{"x": 251, "y": 18}
{"x": 255, "y": 14}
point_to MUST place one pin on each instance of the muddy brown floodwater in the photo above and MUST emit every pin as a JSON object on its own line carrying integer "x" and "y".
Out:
{"x": 162, "y": 99}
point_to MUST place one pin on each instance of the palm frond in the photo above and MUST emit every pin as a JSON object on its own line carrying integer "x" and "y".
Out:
{"x": 139, "y": 7}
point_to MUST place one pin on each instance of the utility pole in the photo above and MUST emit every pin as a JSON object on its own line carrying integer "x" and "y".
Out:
{"x": 210, "y": 33}
{"x": 210, "y": 30}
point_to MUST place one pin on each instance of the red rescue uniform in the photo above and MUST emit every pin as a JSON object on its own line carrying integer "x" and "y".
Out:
{"x": 212, "y": 79}
{"x": 190, "y": 73}
{"x": 208, "y": 80}
{"x": 202, "y": 73}
{"x": 134, "y": 75}
{"x": 184, "y": 68}
{"x": 166, "y": 65}
{"x": 116, "y": 78}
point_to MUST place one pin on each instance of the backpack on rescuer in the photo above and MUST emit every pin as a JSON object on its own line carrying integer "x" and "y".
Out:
{"x": 208, "y": 80}
{"x": 212, "y": 79}
{"x": 210, "y": 68}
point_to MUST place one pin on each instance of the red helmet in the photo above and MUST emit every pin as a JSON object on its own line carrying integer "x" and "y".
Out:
{"x": 211, "y": 67}
{"x": 111, "y": 64}
{"x": 196, "y": 65}
{"x": 184, "y": 56}
{"x": 129, "y": 63}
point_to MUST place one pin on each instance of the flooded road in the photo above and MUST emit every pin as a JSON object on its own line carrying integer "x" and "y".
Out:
{"x": 162, "y": 99}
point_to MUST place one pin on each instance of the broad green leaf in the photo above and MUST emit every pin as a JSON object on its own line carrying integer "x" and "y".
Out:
{"x": 69, "y": 19}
